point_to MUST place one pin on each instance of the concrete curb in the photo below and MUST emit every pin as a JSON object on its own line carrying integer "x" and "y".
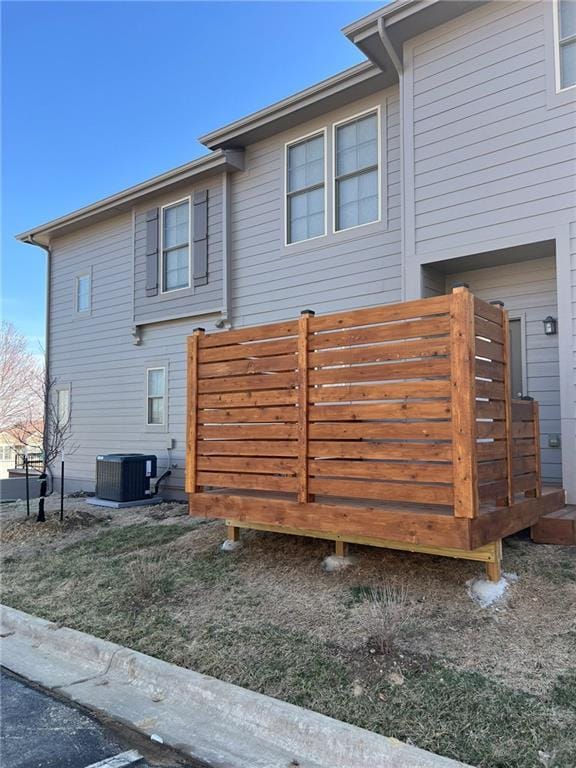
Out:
{"x": 219, "y": 724}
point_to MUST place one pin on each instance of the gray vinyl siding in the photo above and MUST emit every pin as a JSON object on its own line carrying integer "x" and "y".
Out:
{"x": 96, "y": 356}
{"x": 354, "y": 268}
{"x": 528, "y": 290}
{"x": 190, "y": 301}
{"x": 490, "y": 164}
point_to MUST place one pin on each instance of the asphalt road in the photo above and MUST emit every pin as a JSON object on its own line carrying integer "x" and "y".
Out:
{"x": 38, "y": 730}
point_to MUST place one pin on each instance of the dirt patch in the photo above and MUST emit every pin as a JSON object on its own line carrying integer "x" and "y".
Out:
{"x": 492, "y": 687}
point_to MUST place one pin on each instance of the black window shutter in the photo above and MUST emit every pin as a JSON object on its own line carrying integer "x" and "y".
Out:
{"x": 152, "y": 252}
{"x": 200, "y": 238}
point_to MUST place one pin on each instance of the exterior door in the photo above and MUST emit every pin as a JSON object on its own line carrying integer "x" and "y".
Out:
{"x": 516, "y": 358}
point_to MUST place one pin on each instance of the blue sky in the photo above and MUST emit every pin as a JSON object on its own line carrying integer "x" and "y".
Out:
{"x": 101, "y": 95}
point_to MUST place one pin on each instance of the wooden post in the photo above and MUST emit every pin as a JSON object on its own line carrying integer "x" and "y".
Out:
{"x": 302, "y": 467}
{"x": 463, "y": 387}
{"x": 508, "y": 410}
{"x": 494, "y": 567}
{"x": 340, "y": 548}
{"x": 538, "y": 462}
{"x": 232, "y": 532}
{"x": 192, "y": 411}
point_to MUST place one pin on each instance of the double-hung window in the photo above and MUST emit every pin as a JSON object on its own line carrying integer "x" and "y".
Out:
{"x": 305, "y": 189}
{"x": 356, "y": 172}
{"x": 62, "y": 407}
{"x": 176, "y": 246}
{"x": 566, "y": 26}
{"x": 155, "y": 395}
{"x": 83, "y": 290}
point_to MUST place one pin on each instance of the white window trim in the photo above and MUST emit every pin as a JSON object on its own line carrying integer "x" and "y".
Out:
{"x": 87, "y": 273}
{"x": 372, "y": 110}
{"x": 63, "y": 388}
{"x": 188, "y": 200}
{"x": 556, "y": 26}
{"x": 164, "y": 422}
{"x": 320, "y": 132}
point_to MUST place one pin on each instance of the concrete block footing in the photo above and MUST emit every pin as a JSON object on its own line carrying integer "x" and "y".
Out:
{"x": 211, "y": 721}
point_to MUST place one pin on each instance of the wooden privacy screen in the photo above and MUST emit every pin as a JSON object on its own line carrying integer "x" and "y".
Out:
{"x": 367, "y": 406}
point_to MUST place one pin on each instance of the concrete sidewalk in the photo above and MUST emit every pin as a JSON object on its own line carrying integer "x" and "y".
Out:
{"x": 220, "y": 724}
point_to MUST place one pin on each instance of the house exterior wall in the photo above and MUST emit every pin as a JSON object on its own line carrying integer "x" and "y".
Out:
{"x": 354, "y": 268}
{"x": 489, "y": 158}
{"x": 486, "y": 151}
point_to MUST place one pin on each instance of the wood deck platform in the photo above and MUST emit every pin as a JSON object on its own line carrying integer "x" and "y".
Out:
{"x": 558, "y": 527}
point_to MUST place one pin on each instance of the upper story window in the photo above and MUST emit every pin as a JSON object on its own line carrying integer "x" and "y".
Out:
{"x": 305, "y": 189}
{"x": 62, "y": 407}
{"x": 83, "y": 291}
{"x": 155, "y": 395}
{"x": 356, "y": 172}
{"x": 566, "y": 27}
{"x": 176, "y": 246}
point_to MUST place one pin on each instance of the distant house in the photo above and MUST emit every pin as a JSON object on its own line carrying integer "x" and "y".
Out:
{"x": 15, "y": 443}
{"x": 448, "y": 156}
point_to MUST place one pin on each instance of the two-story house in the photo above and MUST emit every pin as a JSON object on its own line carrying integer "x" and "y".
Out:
{"x": 448, "y": 156}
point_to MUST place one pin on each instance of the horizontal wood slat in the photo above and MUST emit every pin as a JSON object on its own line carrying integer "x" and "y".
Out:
{"x": 247, "y": 367}
{"x": 393, "y": 450}
{"x": 423, "y": 494}
{"x": 398, "y": 391}
{"x": 235, "y": 432}
{"x": 411, "y": 329}
{"x": 384, "y": 314}
{"x": 488, "y": 330}
{"x": 247, "y": 447}
{"x": 250, "y": 464}
{"x": 247, "y": 383}
{"x": 247, "y": 415}
{"x": 246, "y": 351}
{"x": 256, "y": 333}
{"x": 438, "y": 410}
{"x": 248, "y": 399}
{"x": 252, "y": 482}
{"x": 342, "y": 430}
{"x": 417, "y": 472}
{"x": 377, "y": 354}
{"x": 434, "y": 367}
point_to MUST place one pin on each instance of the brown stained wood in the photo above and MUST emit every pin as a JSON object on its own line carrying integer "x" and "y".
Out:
{"x": 524, "y": 465}
{"x": 192, "y": 411}
{"x": 418, "y": 472}
{"x": 247, "y": 415}
{"x": 525, "y": 482}
{"x": 379, "y": 353}
{"x": 248, "y": 367}
{"x": 523, "y": 448}
{"x": 556, "y": 528}
{"x": 523, "y": 429}
{"x": 492, "y": 470}
{"x": 538, "y": 469}
{"x": 237, "y": 432}
{"x": 415, "y": 527}
{"x": 253, "y": 482}
{"x": 430, "y": 451}
{"x": 247, "y": 448}
{"x": 487, "y": 311}
{"x": 383, "y": 314}
{"x": 494, "y": 571}
{"x": 397, "y": 391}
{"x": 437, "y": 410}
{"x": 411, "y": 329}
{"x": 490, "y": 349}
{"x": 491, "y": 429}
{"x": 249, "y": 399}
{"x": 232, "y": 533}
{"x": 303, "y": 406}
{"x": 494, "y": 409}
{"x": 340, "y": 549}
{"x": 248, "y": 383}
{"x": 491, "y": 451}
{"x": 489, "y": 330}
{"x": 502, "y": 522}
{"x": 255, "y": 333}
{"x": 508, "y": 498}
{"x": 494, "y": 490}
{"x": 432, "y": 430}
{"x": 489, "y": 369}
{"x": 248, "y": 464}
{"x": 522, "y": 410}
{"x": 433, "y": 367}
{"x": 491, "y": 389}
{"x": 246, "y": 351}
{"x": 364, "y": 489}
{"x": 463, "y": 403}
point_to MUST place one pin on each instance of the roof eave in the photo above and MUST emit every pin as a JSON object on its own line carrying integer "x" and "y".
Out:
{"x": 219, "y": 161}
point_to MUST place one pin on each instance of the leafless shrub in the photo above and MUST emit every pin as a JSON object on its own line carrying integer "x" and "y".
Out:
{"x": 386, "y": 615}
{"x": 146, "y": 582}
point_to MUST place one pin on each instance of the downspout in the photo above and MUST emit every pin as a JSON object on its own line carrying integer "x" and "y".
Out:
{"x": 225, "y": 318}
{"x": 399, "y": 67}
{"x": 30, "y": 239}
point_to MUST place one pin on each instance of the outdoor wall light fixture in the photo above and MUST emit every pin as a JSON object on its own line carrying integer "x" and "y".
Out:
{"x": 550, "y": 326}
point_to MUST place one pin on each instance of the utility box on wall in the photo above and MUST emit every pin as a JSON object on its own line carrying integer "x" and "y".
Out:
{"x": 124, "y": 476}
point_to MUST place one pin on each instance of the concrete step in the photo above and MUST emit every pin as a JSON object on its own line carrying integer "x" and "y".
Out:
{"x": 556, "y": 527}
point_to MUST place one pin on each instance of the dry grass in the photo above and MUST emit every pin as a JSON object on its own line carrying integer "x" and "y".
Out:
{"x": 387, "y": 615}
{"x": 494, "y": 688}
